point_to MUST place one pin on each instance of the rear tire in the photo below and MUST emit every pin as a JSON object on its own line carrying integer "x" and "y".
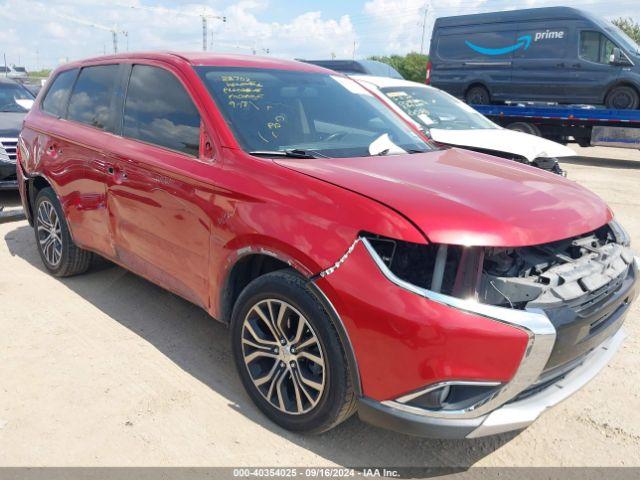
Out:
{"x": 61, "y": 257}
{"x": 478, "y": 95}
{"x": 524, "y": 127}
{"x": 291, "y": 361}
{"x": 622, "y": 97}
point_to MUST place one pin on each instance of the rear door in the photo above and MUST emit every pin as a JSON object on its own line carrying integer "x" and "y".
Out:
{"x": 591, "y": 71}
{"x": 158, "y": 194}
{"x": 541, "y": 70}
{"x": 90, "y": 117}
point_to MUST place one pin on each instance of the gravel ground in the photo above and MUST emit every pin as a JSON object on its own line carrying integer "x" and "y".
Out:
{"x": 107, "y": 369}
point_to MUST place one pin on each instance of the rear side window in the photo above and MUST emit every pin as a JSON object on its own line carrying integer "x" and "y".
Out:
{"x": 55, "y": 100}
{"x": 158, "y": 110}
{"x": 595, "y": 47}
{"x": 90, "y": 101}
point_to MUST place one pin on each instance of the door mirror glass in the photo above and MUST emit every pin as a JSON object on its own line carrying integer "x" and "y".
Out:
{"x": 615, "y": 56}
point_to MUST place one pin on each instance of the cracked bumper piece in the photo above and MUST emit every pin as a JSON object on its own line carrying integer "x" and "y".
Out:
{"x": 511, "y": 416}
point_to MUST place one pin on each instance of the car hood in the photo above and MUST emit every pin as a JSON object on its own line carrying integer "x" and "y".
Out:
{"x": 467, "y": 198}
{"x": 11, "y": 123}
{"x": 502, "y": 140}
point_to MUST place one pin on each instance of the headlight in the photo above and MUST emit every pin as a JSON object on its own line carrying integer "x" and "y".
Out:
{"x": 619, "y": 233}
{"x": 449, "y": 269}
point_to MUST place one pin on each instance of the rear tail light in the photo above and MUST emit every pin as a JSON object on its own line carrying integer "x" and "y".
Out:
{"x": 427, "y": 80}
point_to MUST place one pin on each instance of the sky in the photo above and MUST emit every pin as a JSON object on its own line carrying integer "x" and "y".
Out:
{"x": 43, "y": 34}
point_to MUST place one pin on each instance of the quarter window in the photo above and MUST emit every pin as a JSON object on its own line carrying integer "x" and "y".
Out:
{"x": 90, "y": 102}
{"x": 55, "y": 100}
{"x": 595, "y": 47}
{"x": 158, "y": 110}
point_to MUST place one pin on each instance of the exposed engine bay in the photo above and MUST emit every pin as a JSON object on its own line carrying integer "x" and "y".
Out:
{"x": 559, "y": 272}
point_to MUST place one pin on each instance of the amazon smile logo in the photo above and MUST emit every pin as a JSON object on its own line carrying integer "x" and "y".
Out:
{"x": 523, "y": 43}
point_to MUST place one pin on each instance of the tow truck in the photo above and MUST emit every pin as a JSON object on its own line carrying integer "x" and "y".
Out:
{"x": 586, "y": 125}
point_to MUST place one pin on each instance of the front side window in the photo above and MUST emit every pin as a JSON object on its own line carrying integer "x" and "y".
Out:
{"x": 55, "y": 100}
{"x": 14, "y": 98}
{"x": 158, "y": 110}
{"x": 595, "y": 47}
{"x": 285, "y": 110}
{"x": 90, "y": 101}
{"x": 432, "y": 108}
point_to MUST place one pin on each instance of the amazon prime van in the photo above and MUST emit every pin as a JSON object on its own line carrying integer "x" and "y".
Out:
{"x": 555, "y": 54}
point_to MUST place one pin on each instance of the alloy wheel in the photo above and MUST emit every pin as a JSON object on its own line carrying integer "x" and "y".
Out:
{"x": 49, "y": 233}
{"x": 283, "y": 356}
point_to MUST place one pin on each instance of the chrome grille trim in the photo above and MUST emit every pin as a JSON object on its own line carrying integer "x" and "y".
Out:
{"x": 8, "y": 149}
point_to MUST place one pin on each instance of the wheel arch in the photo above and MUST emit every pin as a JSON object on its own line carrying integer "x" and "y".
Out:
{"x": 34, "y": 184}
{"x": 252, "y": 263}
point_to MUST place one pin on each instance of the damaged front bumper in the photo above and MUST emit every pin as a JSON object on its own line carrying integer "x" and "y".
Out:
{"x": 508, "y": 404}
{"x": 511, "y": 416}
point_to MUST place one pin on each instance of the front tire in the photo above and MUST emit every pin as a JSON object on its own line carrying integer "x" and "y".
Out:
{"x": 289, "y": 356}
{"x": 61, "y": 257}
{"x": 622, "y": 98}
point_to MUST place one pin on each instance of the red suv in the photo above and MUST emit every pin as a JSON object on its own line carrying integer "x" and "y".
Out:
{"x": 437, "y": 292}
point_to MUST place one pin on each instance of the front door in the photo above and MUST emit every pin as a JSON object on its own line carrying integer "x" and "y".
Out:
{"x": 158, "y": 197}
{"x": 591, "y": 71}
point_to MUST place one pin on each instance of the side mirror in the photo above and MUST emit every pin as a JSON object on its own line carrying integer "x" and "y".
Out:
{"x": 617, "y": 57}
{"x": 207, "y": 151}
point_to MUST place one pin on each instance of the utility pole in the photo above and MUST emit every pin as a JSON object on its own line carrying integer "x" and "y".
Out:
{"x": 354, "y": 49}
{"x": 5, "y": 64}
{"x": 115, "y": 41}
{"x": 204, "y": 33}
{"x": 166, "y": 11}
{"x": 424, "y": 27}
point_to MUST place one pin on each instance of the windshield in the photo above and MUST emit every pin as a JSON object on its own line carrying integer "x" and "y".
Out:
{"x": 14, "y": 98}
{"x": 625, "y": 40}
{"x": 432, "y": 108}
{"x": 327, "y": 115}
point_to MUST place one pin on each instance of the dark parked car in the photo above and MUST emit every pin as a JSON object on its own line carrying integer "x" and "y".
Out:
{"x": 15, "y": 101}
{"x": 438, "y": 292}
{"x": 359, "y": 67}
{"x": 554, "y": 54}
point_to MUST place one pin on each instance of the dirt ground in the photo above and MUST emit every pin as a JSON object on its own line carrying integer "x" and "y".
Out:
{"x": 107, "y": 369}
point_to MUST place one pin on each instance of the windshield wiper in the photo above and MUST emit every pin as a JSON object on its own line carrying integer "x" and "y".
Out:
{"x": 385, "y": 152}
{"x": 293, "y": 153}
{"x": 416, "y": 150}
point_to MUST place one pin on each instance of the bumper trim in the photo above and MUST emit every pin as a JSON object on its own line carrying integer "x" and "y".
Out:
{"x": 519, "y": 414}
